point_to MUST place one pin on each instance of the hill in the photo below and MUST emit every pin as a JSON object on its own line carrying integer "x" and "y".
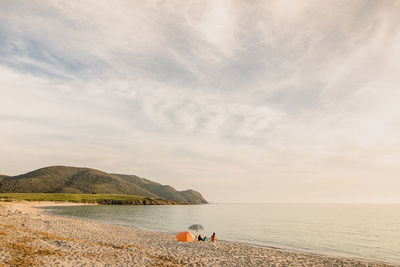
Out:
{"x": 63, "y": 179}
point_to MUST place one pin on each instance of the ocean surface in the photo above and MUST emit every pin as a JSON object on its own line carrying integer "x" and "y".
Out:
{"x": 364, "y": 231}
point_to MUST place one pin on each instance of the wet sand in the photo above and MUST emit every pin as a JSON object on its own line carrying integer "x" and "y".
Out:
{"x": 28, "y": 237}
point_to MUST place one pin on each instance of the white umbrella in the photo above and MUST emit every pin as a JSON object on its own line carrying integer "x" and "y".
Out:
{"x": 196, "y": 227}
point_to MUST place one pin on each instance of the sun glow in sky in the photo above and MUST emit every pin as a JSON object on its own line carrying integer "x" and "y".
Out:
{"x": 244, "y": 101}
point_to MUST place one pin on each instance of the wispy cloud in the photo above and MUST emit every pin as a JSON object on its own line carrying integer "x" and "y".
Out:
{"x": 291, "y": 96}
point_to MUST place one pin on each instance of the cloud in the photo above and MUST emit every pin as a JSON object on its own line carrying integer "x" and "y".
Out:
{"x": 298, "y": 96}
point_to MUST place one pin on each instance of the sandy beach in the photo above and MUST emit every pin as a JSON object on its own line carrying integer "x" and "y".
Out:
{"x": 28, "y": 237}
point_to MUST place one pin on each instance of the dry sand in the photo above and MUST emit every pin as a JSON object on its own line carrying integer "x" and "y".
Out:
{"x": 30, "y": 238}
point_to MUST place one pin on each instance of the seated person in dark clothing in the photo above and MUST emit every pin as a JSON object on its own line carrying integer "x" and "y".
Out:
{"x": 200, "y": 238}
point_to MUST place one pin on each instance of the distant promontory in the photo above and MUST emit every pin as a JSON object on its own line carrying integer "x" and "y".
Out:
{"x": 64, "y": 179}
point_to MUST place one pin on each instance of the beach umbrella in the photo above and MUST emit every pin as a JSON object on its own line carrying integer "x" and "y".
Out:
{"x": 185, "y": 236}
{"x": 196, "y": 227}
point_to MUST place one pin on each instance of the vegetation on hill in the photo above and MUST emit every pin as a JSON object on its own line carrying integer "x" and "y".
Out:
{"x": 63, "y": 179}
{"x": 105, "y": 199}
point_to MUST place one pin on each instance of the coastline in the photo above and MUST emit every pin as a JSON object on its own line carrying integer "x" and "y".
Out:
{"x": 29, "y": 237}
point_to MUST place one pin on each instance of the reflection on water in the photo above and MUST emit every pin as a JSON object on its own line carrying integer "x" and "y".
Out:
{"x": 359, "y": 230}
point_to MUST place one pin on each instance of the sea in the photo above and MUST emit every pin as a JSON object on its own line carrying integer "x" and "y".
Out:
{"x": 362, "y": 231}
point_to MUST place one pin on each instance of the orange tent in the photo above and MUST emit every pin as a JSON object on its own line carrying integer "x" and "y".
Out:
{"x": 185, "y": 236}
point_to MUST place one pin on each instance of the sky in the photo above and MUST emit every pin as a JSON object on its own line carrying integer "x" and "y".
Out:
{"x": 244, "y": 101}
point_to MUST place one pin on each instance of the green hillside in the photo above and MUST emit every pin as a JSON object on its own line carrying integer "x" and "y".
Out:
{"x": 63, "y": 179}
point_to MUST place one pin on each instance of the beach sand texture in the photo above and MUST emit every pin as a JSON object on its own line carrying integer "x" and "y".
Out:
{"x": 30, "y": 238}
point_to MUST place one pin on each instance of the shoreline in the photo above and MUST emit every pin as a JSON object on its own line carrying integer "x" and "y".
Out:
{"x": 220, "y": 240}
{"x": 30, "y": 236}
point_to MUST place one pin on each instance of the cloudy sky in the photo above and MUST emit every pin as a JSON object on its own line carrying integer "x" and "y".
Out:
{"x": 244, "y": 101}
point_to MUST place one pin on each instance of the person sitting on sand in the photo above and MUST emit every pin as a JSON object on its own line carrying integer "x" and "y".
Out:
{"x": 200, "y": 238}
{"x": 213, "y": 237}
{"x": 205, "y": 238}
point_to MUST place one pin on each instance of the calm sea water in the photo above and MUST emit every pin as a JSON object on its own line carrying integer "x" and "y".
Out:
{"x": 363, "y": 231}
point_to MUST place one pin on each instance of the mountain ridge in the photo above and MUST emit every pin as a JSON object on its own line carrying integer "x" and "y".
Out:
{"x": 82, "y": 180}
